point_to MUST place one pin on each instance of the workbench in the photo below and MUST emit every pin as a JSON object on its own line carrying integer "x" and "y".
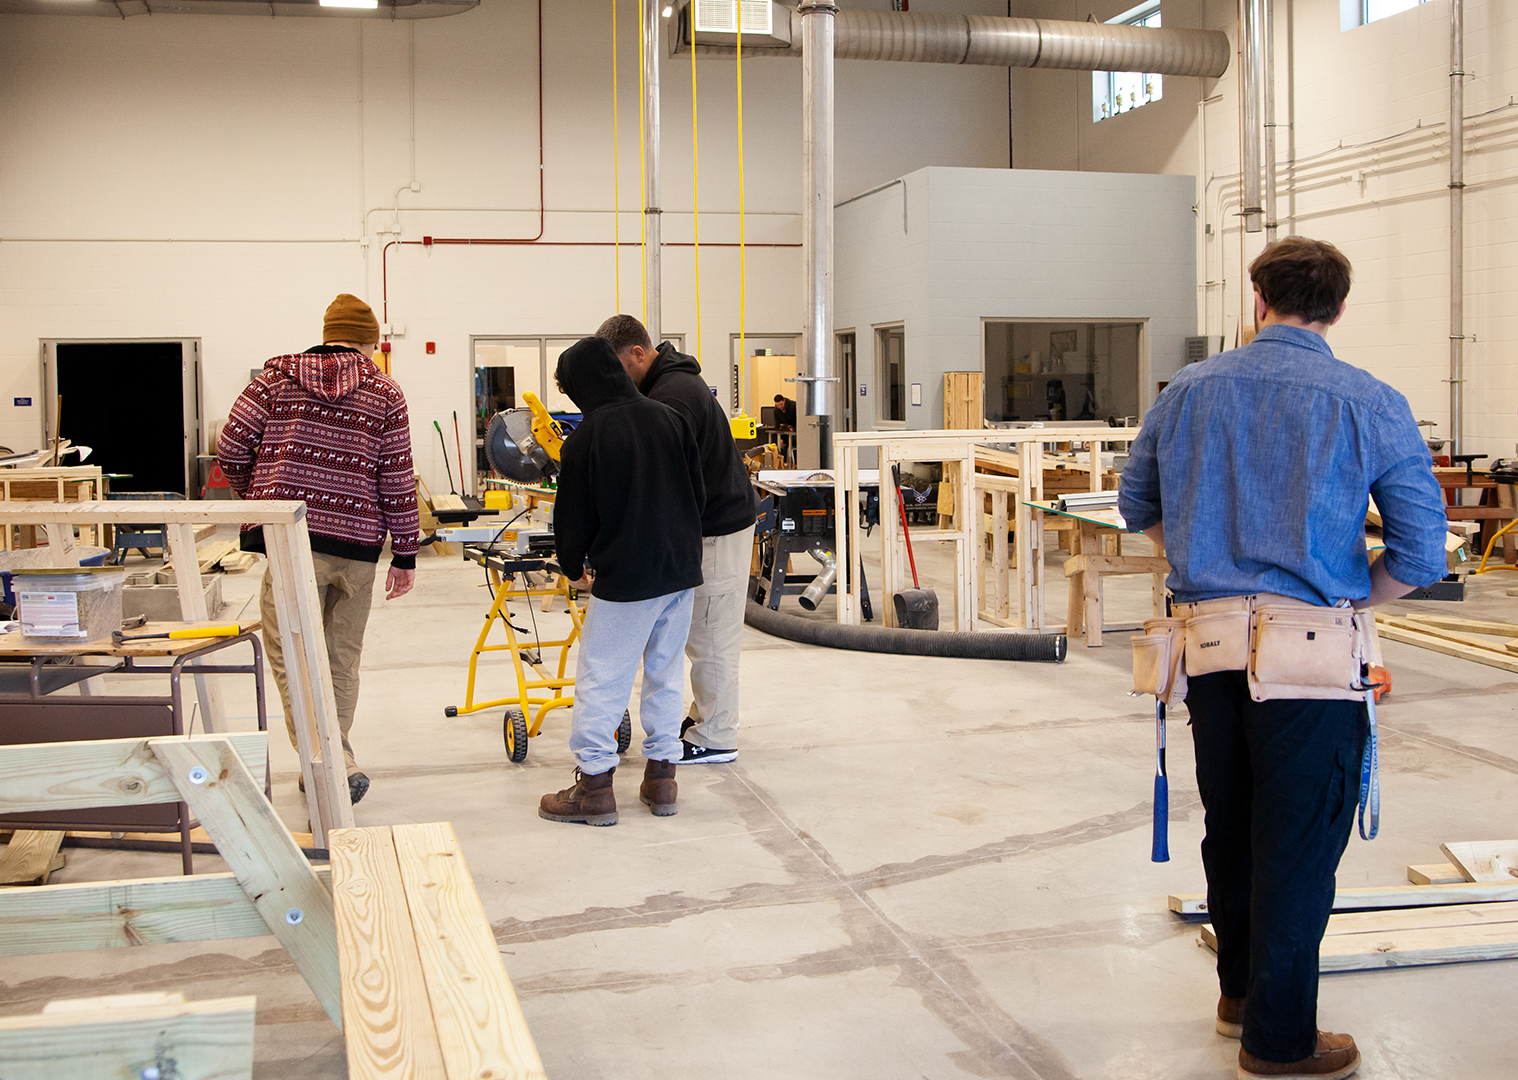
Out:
{"x": 1090, "y": 562}
{"x": 31, "y": 713}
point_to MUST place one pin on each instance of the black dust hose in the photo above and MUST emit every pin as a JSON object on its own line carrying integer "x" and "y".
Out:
{"x": 1049, "y": 648}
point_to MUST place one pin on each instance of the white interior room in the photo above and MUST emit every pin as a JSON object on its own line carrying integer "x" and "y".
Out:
{"x": 917, "y": 868}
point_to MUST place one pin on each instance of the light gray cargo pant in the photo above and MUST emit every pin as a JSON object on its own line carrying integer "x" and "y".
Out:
{"x": 716, "y": 637}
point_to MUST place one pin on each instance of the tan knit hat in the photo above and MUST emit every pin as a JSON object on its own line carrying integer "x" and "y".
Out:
{"x": 350, "y": 319}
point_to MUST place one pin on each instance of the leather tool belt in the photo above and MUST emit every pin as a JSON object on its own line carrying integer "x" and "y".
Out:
{"x": 1291, "y": 649}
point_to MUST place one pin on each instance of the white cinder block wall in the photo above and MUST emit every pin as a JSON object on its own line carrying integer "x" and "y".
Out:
{"x": 1364, "y": 162}
{"x": 1011, "y": 244}
{"x": 221, "y": 178}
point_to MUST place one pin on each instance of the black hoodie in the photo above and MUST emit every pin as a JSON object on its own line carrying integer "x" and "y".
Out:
{"x": 630, "y": 489}
{"x": 675, "y": 379}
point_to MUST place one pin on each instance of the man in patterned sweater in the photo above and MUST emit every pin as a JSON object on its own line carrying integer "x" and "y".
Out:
{"x": 327, "y": 427}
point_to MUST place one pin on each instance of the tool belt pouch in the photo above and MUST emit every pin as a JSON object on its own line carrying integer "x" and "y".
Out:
{"x": 1217, "y": 636}
{"x": 1159, "y": 659}
{"x": 1304, "y": 652}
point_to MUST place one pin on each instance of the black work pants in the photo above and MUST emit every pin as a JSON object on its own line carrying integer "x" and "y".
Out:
{"x": 1280, "y": 782}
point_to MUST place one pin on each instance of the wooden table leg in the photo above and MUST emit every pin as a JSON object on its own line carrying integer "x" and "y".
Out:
{"x": 1091, "y": 589}
{"x": 1075, "y": 605}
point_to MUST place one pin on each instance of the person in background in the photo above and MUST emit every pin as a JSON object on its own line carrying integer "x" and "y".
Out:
{"x": 1253, "y": 470}
{"x": 627, "y": 527}
{"x": 327, "y": 428}
{"x": 709, "y": 732}
{"x": 785, "y": 422}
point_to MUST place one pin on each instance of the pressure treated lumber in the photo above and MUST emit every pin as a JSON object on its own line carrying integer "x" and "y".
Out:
{"x": 1484, "y": 860}
{"x": 1387, "y": 897}
{"x": 104, "y": 772}
{"x": 29, "y": 857}
{"x": 231, "y": 807}
{"x": 1435, "y": 874}
{"x": 1367, "y": 941}
{"x": 387, "y": 1015}
{"x": 481, "y": 1030}
{"x": 81, "y": 916}
{"x": 104, "y": 1037}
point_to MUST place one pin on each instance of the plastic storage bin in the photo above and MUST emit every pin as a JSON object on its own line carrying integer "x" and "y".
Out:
{"x": 66, "y": 604}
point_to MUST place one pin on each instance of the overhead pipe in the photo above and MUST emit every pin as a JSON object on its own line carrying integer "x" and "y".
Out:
{"x": 817, "y": 27}
{"x": 652, "y": 263}
{"x": 1268, "y": 73}
{"x": 1456, "y": 226}
{"x": 1249, "y": 130}
{"x": 994, "y": 41}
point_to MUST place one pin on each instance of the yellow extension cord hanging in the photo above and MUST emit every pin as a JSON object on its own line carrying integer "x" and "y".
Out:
{"x": 642, "y": 176}
{"x": 695, "y": 197}
{"x": 743, "y": 426}
{"x": 616, "y": 163}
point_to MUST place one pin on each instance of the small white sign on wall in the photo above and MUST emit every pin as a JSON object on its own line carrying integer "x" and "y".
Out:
{"x": 917, "y": 393}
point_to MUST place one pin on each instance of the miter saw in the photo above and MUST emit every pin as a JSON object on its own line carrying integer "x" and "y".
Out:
{"x": 523, "y": 444}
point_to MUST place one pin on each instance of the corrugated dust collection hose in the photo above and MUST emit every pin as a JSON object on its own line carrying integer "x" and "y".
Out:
{"x": 1049, "y": 648}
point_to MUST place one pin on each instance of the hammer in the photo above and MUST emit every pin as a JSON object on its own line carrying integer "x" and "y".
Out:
{"x": 230, "y": 630}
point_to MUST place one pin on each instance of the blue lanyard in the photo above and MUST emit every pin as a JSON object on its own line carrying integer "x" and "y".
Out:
{"x": 1370, "y": 772}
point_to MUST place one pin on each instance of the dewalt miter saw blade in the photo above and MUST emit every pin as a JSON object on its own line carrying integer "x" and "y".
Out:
{"x": 512, "y": 449}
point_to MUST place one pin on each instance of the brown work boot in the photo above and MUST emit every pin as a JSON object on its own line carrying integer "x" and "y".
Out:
{"x": 1336, "y": 1057}
{"x": 1230, "y": 1021}
{"x": 590, "y": 802}
{"x": 658, "y": 789}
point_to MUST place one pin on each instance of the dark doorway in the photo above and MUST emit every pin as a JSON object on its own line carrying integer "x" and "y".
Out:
{"x": 126, "y": 400}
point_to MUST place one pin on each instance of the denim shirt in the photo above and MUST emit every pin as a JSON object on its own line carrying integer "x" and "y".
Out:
{"x": 1259, "y": 461}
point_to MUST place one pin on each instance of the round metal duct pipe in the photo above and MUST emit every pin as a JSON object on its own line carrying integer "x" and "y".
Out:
{"x": 1028, "y": 43}
{"x": 990, "y": 40}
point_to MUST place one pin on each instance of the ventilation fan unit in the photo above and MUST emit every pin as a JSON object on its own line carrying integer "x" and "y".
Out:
{"x": 765, "y": 23}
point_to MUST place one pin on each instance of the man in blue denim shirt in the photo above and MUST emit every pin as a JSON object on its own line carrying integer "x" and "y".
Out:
{"x": 1253, "y": 469}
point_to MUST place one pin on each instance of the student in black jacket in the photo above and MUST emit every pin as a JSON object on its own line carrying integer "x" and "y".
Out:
{"x": 627, "y": 527}
{"x": 709, "y": 732}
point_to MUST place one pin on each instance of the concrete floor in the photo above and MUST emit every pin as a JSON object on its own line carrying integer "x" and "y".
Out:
{"x": 918, "y": 869}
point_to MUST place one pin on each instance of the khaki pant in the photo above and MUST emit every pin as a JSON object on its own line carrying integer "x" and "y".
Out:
{"x": 345, "y": 588}
{"x": 716, "y": 637}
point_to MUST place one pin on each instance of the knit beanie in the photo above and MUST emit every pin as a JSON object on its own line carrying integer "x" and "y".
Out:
{"x": 350, "y": 319}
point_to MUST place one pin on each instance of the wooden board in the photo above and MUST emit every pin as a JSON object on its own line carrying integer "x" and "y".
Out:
{"x": 1470, "y": 626}
{"x": 1490, "y": 657}
{"x": 103, "y": 772}
{"x": 114, "y": 914}
{"x": 203, "y": 1040}
{"x": 1386, "y": 897}
{"x": 14, "y": 644}
{"x": 1367, "y": 941}
{"x": 480, "y": 1026}
{"x": 1435, "y": 874}
{"x": 179, "y": 511}
{"x": 231, "y": 806}
{"x": 29, "y": 857}
{"x": 387, "y": 1016}
{"x": 1484, "y": 860}
{"x": 963, "y": 400}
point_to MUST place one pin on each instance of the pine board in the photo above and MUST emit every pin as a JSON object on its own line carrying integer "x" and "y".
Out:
{"x": 387, "y": 1016}
{"x": 1435, "y": 874}
{"x": 1484, "y": 860}
{"x": 1489, "y": 657}
{"x": 1470, "y": 626}
{"x": 1386, "y": 897}
{"x": 29, "y": 856}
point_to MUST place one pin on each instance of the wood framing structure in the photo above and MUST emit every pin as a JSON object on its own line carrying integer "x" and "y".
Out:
{"x": 293, "y": 577}
{"x": 959, "y": 451}
{"x": 65, "y": 483}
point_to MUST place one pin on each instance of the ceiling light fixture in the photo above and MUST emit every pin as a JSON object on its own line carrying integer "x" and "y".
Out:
{"x": 668, "y": 10}
{"x": 367, "y": 4}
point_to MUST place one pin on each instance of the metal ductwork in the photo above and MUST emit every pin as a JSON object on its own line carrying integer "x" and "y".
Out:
{"x": 989, "y": 40}
{"x": 121, "y": 9}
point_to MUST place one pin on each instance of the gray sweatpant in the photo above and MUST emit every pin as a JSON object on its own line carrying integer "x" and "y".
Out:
{"x": 716, "y": 637}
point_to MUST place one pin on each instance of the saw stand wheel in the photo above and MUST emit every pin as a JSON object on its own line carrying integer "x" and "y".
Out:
{"x": 515, "y": 732}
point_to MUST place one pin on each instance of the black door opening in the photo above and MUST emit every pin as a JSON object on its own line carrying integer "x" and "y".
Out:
{"x": 126, "y": 400}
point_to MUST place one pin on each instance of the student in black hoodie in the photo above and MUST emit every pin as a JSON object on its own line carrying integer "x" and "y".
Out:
{"x": 627, "y": 527}
{"x": 710, "y": 732}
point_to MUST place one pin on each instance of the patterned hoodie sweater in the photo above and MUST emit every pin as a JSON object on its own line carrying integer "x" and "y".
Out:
{"x": 326, "y": 427}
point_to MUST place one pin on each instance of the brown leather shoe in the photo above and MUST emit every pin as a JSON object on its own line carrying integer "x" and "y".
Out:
{"x": 1336, "y": 1057}
{"x": 658, "y": 788}
{"x": 1230, "y": 1021}
{"x": 590, "y": 802}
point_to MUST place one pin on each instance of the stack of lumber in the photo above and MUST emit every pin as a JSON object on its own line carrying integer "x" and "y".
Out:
{"x": 224, "y": 554}
{"x": 1468, "y": 639}
{"x": 1457, "y": 912}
